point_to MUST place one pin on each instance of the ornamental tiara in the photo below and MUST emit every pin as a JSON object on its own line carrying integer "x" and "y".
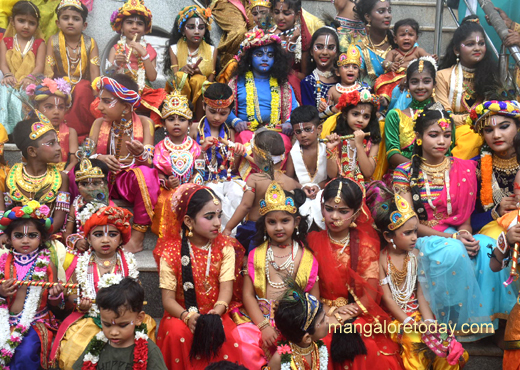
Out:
{"x": 176, "y": 103}
{"x": 219, "y": 103}
{"x": 264, "y": 3}
{"x": 352, "y": 56}
{"x": 404, "y": 213}
{"x": 275, "y": 200}
{"x": 41, "y": 127}
{"x": 86, "y": 171}
{"x": 74, "y": 3}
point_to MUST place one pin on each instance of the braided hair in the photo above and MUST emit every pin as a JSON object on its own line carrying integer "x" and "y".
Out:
{"x": 425, "y": 119}
{"x": 209, "y": 335}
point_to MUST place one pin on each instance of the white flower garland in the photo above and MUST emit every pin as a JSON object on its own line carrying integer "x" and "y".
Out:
{"x": 9, "y": 343}
{"x": 88, "y": 210}
{"x": 86, "y": 281}
{"x": 141, "y": 71}
{"x": 287, "y": 360}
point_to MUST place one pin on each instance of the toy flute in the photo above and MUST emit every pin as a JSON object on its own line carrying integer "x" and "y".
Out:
{"x": 346, "y": 137}
{"x": 131, "y": 50}
{"x": 43, "y": 284}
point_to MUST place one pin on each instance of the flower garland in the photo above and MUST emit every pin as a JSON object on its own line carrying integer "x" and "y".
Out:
{"x": 284, "y": 349}
{"x": 252, "y": 102}
{"x": 141, "y": 71}
{"x": 86, "y": 280}
{"x": 96, "y": 345}
{"x": 486, "y": 174}
{"x": 8, "y": 344}
{"x": 88, "y": 210}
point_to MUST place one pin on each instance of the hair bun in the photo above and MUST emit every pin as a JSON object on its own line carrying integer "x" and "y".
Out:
{"x": 298, "y": 196}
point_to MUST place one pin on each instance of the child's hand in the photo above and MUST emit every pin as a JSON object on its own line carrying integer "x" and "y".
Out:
{"x": 192, "y": 323}
{"x": 287, "y": 128}
{"x": 111, "y": 161}
{"x": 25, "y": 82}
{"x": 226, "y": 232}
{"x": 56, "y": 290}
{"x": 513, "y": 234}
{"x": 134, "y": 45}
{"x": 120, "y": 60}
{"x": 269, "y": 336}
{"x": 196, "y": 70}
{"x": 9, "y": 81}
{"x": 173, "y": 182}
{"x": 135, "y": 147}
{"x": 359, "y": 136}
{"x": 333, "y": 141}
{"x": 84, "y": 304}
{"x": 208, "y": 143}
{"x": 435, "y": 56}
{"x": 187, "y": 69}
{"x": 240, "y": 150}
{"x": 323, "y": 106}
{"x": 241, "y": 126}
{"x": 81, "y": 245}
{"x": 507, "y": 204}
{"x": 7, "y": 288}
{"x": 311, "y": 191}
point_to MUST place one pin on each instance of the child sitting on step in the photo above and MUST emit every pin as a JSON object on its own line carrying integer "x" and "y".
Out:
{"x": 52, "y": 98}
{"x": 124, "y": 141}
{"x": 124, "y": 334}
{"x": 106, "y": 229}
{"x": 26, "y": 321}
{"x": 269, "y": 155}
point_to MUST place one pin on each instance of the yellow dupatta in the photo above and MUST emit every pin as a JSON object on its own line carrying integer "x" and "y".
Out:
{"x": 206, "y": 66}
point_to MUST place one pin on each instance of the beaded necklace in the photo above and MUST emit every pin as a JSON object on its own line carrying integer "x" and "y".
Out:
{"x": 16, "y": 181}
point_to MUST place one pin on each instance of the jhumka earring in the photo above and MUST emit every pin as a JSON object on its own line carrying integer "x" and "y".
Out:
{"x": 190, "y": 234}
{"x": 457, "y": 55}
{"x": 297, "y": 231}
{"x": 353, "y": 224}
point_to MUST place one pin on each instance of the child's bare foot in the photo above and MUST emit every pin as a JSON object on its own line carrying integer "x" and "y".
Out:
{"x": 135, "y": 244}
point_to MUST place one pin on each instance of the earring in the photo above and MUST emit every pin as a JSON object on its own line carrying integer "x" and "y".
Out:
{"x": 190, "y": 234}
{"x": 457, "y": 55}
{"x": 188, "y": 130}
{"x": 353, "y": 224}
{"x": 433, "y": 93}
{"x": 393, "y": 244}
{"x": 297, "y": 231}
{"x": 265, "y": 236}
{"x": 419, "y": 142}
{"x": 123, "y": 114}
{"x": 184, "y": 38}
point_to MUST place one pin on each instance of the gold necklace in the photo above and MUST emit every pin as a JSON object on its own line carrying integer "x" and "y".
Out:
{"x": 340, "y": 242}
{"x": 385, "y": 40}
{"x": 31, "y": 184}
{"x": 508, "y": 166}
{"x": 105, "y": 262}
{"x": 397, "y": 276}
{"x": 436, "y": 172}
{"x": 302, "y": 351}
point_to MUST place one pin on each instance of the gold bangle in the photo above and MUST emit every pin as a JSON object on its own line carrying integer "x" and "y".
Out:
{"x": 464, "y": 231}
{"x": 338, "y": 317}
{"x": 331, "y": 311}
{"x": 140, "y": 228}
{"x": 264, "y": 324}
{"x": 173, "y": 66}
{"x": 222, "y": 303}
{"x": 188, "y": 317}
{"x": 454, "y": 235}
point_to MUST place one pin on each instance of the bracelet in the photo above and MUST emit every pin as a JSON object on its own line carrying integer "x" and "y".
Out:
{"x": 331, "y": 311}
{"x": 331, "y": 154}
{"x": 222, "y": 303}
{"x": 146, "y": 57}
{"x": 338, "y": 317}
{"x": 8, "y": 75}
{"x": 188, "y": 317}
{"x": 431, "y": 321}
{"x": 408, "y": 320}
{"x": 52, "y": 298}
{"x": 264, "y": 324}
{"x": 182, "y": 313}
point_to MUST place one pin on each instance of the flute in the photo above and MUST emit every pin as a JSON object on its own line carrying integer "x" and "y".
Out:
{"x": 43, "y": 284}
{"x": 130, "y": 51}
{"x": 346, "y": 137}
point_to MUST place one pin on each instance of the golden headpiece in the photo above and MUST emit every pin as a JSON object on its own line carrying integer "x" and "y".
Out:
{"x": 275, "y": 200}
{"x": 41, "y": 127}
{"x": 352, "y": 56}
{"x": 404, "y": 213}
{"x": 264, "y": 3}
{"x": 176, "y": 103}
{"x": 219, "y": 103}
{"x": 86, "y": 171}
{"x": 74, "y": 3}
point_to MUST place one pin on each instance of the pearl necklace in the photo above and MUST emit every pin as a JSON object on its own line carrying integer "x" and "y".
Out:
{"x": 287, "y": 265}
{"x": 27, "y": 48}
{"x": 401, "y": 295}
{"x": 326, "y": 74}
{"x": 345, "y": 241}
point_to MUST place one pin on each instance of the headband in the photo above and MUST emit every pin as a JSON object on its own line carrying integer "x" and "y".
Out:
{"x": 192, "y": 11}
{"x": 219, "y": 103}
{"x": 255, "y": 39}
{"x": 115, "y": 88}
{"x": 427, "y": 58}
{"x": 355, "y": 97}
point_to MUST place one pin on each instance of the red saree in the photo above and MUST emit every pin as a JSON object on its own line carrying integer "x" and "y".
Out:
{"x": 355, "y": 272}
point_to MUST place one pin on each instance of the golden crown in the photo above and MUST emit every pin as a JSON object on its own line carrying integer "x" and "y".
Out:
{"x": 74, "y": 3}
{"x": 41, "y": 127}
{"x": 263, "y": 3}
{"x": 352, "y": 56}
{"x": 86, "y": 171}
{"x": 275, "y": 200}
{"x": 176, "y": 103}
{"x": 404, "y": 213}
